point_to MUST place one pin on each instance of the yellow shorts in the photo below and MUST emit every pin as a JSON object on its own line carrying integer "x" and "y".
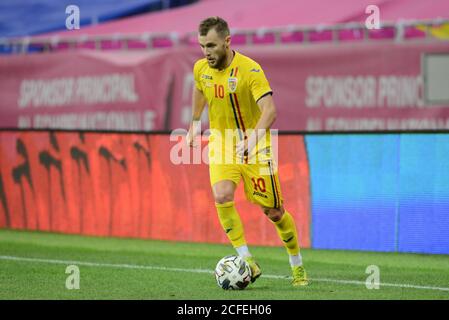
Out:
{"x": 260, "y": 180}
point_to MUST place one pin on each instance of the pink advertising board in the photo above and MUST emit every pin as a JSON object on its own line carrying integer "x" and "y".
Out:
{"x": 321, "y": 87}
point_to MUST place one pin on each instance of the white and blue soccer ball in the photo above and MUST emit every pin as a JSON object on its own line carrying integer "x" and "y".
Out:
{"x": 233, "y": 273}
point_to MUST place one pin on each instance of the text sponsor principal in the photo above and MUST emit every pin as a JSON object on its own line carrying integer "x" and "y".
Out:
{"x": 57, "y": 92}
{"x": 364, "y": 91}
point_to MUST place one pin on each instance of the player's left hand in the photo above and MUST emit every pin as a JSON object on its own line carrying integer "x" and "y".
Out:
{"x": 242, "y": 148}
{"x": 245, "y": 146}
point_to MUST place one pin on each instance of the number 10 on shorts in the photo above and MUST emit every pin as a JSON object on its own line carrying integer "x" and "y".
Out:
{"x": 259, "y": 184}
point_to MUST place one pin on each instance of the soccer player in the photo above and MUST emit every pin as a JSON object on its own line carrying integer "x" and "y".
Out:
{"x": 240, "y": 98}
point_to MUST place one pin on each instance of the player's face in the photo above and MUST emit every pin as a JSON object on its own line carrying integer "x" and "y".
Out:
{"x": 214, "y": 48}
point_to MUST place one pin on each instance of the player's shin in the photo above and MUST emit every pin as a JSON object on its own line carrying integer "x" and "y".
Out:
{"x": 286, "y": 229}
{"x": 231, "y": 223}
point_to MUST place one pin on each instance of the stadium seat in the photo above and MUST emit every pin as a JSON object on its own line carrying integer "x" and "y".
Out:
{"x": 350, "y": 35}
{"x": 292, "y": 37}
{"x": 383, "y": 33}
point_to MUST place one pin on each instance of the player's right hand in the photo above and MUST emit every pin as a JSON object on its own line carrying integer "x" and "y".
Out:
{"x": 190, "y": 139}
{"x": 194, "y": 131}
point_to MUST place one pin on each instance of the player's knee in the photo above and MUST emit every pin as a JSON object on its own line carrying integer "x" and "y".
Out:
{"x": 273, "y": 214}
{"x": 223, "y": 192}
{"x": 223, "y": 197}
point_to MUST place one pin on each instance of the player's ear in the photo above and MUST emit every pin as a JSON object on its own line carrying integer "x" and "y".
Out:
{"x": 228, "y": 41}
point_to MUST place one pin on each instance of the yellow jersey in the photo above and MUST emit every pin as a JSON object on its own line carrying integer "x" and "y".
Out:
{"x": 232, "y": 95}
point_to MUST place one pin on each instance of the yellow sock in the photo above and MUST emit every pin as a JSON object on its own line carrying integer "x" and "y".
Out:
{"x": 231, "y": 223}
{"x": 286, "y": 229}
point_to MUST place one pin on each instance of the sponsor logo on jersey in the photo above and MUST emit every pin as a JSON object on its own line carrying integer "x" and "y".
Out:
{"x": 206, "y": 76}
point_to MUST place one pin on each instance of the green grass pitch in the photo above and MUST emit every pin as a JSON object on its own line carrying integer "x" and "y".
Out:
{"x": 33, "y": 266}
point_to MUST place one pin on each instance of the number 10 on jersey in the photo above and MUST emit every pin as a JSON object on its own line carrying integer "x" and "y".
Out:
{"x": 219, "y": 91}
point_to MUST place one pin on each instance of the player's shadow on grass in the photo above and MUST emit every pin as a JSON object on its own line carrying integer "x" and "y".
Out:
{"x": 285, "y": 285}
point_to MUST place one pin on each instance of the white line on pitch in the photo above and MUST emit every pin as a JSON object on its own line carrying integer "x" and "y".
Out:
{"x": 134, "y": 266}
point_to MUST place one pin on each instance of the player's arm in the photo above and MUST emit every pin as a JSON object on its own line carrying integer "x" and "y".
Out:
{"x": 266, "y": 120}
{"x": 198, "y": 103}
{"x": 268, "y": 116}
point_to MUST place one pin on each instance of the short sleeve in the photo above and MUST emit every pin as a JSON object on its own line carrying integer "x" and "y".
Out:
{"x": 258, "y": 83}
{"x": 196, "y": 76}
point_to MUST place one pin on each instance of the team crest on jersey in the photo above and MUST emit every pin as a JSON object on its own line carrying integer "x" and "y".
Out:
{"x": 232, "y": 84}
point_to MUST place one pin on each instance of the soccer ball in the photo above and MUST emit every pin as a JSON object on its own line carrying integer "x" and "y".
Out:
{"x": 232, "y": 273}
